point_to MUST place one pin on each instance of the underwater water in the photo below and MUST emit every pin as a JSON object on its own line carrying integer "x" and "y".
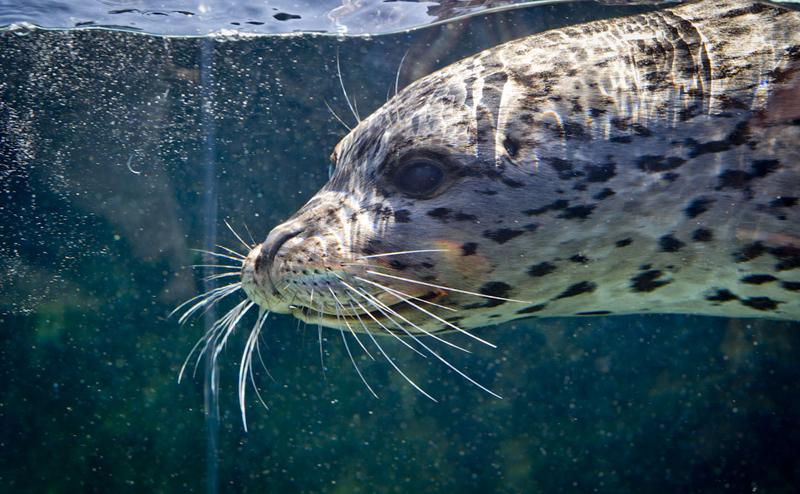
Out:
{"x": 114, "y": 144}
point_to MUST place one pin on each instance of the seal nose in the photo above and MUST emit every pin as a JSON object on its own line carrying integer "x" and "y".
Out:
{"x": 275, "y": 240}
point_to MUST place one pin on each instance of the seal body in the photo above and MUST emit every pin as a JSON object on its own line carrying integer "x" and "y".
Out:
{"x": 649, "y": 164}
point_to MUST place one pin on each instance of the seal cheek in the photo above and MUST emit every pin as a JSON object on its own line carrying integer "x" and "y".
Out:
{"x": 455, "y": 268}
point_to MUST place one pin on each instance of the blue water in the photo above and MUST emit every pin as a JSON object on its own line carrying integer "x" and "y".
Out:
{"x": 200, "y": 18}
{"x": 104, "y": 151}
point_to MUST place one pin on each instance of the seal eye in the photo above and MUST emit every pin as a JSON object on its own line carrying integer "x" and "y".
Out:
{"x": 419, "y": 178}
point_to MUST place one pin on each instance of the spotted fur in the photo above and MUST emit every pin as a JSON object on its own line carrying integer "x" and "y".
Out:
{"x": 638, "y": 165}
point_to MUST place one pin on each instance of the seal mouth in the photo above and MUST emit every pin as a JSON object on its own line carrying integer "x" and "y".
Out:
{"x": 398, "y": 312}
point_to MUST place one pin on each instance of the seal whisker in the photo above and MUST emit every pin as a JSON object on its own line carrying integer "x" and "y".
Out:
{"x": 386, "y": 356}
{"x": 319, "y": 335}
{"x": 346, "y": 346}
{"x": 385, "y": 329}
{"x": 401, "y": 253}
{"x": 233, "y": 252}
{"x": 222, "y": 328}
{"x": 246, "y": 367}
{"x": 394, "y": 294}
{"x": 249, "y": 234}
{"x": 216, "y": 266}
{"x": 400, "y": 68}
{"x": 444, "y": 361}
{"x": 408, "y": 280}
{"x": 388, "y": 309}
{"x": 222, "y": 275}
{"x": 339, "y": 304}
{"x": 378, "y": 304}
{"x": 337, "y": 117}
{"x": 208, "y": 298}
{"x": 406, "y": 295}
{"x": 218, "y": 254}
{"x": 341, "y": 82}
{"x": 248, "y": 247}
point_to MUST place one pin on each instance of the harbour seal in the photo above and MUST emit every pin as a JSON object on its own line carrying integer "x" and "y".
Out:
{"x": 647, "y": 164}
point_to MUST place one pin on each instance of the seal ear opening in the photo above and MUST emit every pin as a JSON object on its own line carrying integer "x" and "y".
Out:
{"x": 332, "y": 165}
{"x": 511, "y": 145}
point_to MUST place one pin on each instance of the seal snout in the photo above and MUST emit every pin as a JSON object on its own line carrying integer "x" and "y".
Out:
{"x": 275, "y": 240}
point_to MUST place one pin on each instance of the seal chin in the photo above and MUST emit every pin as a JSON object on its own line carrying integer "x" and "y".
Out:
{"x": 408, "y": 316}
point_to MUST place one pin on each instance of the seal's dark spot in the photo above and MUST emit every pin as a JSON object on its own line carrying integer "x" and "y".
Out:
{"x": 722, "y": 295}
{"x": 758, "y": 279}
{"x": 736, "y": 138}
{"x": 600, "y": 173}
{"x": 555, "y": 206}
{"x": 465, "y": 217}
{"x": 761, "y": 303}
{"x": 578, "y": 289}
{"x": 397, "y": 264}
{"x": 595, "y": 313}
{"x": 788, "y": 264}
{"x": 750, "y": 252}
{"x": 703, "y": 235}
{"x": 439, "y": 213}
{"x": 503, "y": 235}
{"x": 281, "y": 16}
{"x": 641, "y": 130}
{"x": 762, "y": 168}
{"x": 792, "y": 286}
{"x": 698, "y": 207}
{"x": 560, "y": 165}
{"x": 648, "y": 281}
{"x": 783, "y": 202}
{"x": 513, "y": 183}
{"x": 469, "y": 248}
{"x": 603, "y": 194}
{"x": 530, "y": 227}
{"x": 739, "y": 179}
{"x": 572, "y": 130}
{"x": 657, "y": 164}
{"x": 445, "y": 215}
{"x": 577, "y": 212}
{"x": 580, "y": 258}
{"x": 621, "y": 139}
{"x": 624, "y": 242}
{"x": 541, "y": 269}
{"x": 495, "y": 289}
{"x": 668, "y": 243}
{"x": 402, "y": 216}
{"x": 532, "y": 309}
{"x": 735, "y": 179}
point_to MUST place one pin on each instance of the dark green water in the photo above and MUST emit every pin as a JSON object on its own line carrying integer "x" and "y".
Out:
{"x": 101, "y": 199}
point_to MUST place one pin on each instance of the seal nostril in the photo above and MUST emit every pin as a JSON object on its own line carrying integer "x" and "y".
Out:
{"x": 273, "y": 244}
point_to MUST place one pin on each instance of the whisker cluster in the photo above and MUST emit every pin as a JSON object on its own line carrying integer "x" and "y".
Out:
{"x": 353, "y": 301}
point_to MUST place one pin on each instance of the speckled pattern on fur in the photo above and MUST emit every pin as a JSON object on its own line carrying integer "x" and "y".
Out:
{"x": 649, "y": 164}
